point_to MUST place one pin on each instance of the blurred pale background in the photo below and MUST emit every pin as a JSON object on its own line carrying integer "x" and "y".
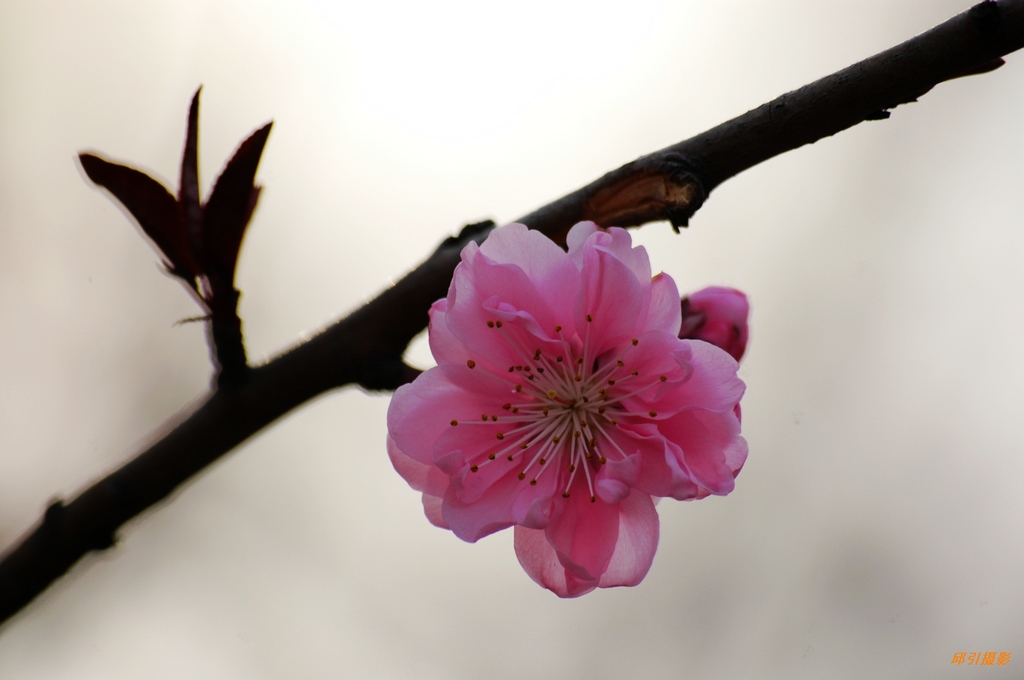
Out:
{"x": 876, "y": 529}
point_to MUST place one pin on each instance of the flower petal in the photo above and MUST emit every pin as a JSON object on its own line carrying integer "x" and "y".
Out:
{"x": 539, "y": 560}
{"x": 610, "y": 301}
{"x": 484, "y": 291}
{"x": 637, "y": 542}
{"x": 713, "y": 385}
{"x": 616, "y": 477}
{"x": 508, "y": 501}
{"x": 661, "y": 473}
{"x": 422, "y": 411}
{"x": 583, "y": 534}
{"x": 426, "y": 478}
{"x": 541, "y": 260}
{"x": 664, "y": 313}
{"x": 704, "y": 437}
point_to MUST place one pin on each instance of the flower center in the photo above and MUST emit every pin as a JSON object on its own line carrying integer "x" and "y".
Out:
{"x": 563, "y": 409}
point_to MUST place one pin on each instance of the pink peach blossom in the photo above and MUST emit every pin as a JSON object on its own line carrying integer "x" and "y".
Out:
{"x": 563, "y": 403}
{"x": 717, "y": 315}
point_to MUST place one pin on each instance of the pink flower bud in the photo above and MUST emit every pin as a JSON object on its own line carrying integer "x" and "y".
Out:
{"x": 717, "y": 315}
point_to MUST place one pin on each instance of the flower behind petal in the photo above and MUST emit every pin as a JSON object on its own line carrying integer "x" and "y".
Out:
{"x": 563, "y": 403}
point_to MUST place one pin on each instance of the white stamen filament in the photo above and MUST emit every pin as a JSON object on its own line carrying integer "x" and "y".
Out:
{"x": 561, "y": 409}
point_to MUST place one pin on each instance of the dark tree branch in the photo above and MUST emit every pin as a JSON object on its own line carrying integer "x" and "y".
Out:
{"x": 366, "y": 347}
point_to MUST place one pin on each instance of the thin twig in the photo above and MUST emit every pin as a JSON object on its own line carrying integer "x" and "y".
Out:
{"x": 366, "y": 347}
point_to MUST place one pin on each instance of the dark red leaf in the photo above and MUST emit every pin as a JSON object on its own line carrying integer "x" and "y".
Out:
{"x": 231, "y": 204}
{"x": 152, "y": 206}
{"x": 188, "y": 191}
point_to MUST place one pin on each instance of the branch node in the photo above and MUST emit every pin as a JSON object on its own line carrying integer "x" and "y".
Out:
{"x": 985, "y": 14}
{"x": 53, "y": 517}
{"x": 470, "y": 232}
{"x": 666, "y": 187}
{"x": 384, "y": 374}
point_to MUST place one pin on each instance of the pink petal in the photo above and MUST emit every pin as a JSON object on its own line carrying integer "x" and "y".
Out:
{"x": 422, "y": 411}
{"x": 713, "y": 385}
{"x": 636, "y": 545}
{"x": 704, "y": 438}
{"x": 490, "y": 513}
{"x": 484, "y": 291}
{"x": 659, "y": 353}
{"x": 664, "y": 313}
{"x": 583, "y": 534}
{"x": 616, "y": 477}
{"x": 444, "y": 345}
{"x": 577, "y": 236}
{"x": 432, "y": 509}
{"x": 611, "y": 296}
{"x": 633, "y": 552}
{"x": 426, "y": 478}
{"x": 539, "y": 560}
{"x": 660, "y": 473}
{"x": 614, "y": 241}
{"x": 541, "y": 260}
{"x": 508, "y": 501}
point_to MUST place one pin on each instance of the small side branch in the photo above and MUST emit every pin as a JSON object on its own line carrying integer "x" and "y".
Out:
{"x": 366, "y": 347}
